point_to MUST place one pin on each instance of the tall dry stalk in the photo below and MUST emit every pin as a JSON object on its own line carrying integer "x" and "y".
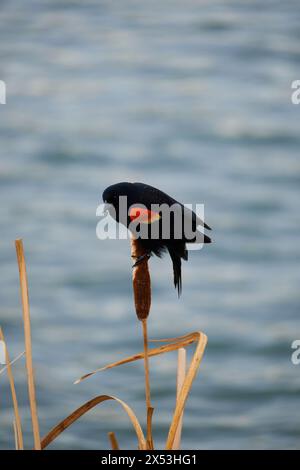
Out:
{"x": 28, "y": 348}
{"x": 142, "y": 300}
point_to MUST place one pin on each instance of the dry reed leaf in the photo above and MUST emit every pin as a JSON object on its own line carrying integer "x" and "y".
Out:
{"x": 175, "y": 343}
{"x": 181, "y": 371}
{"x": 69, "y": 420}
{"x": 113, "y": 441}
{"x": 175, "y": 339}
{"x": 186, "y": 387}
{"x": 28, "y": 348}
{"x": 17, "y": 420}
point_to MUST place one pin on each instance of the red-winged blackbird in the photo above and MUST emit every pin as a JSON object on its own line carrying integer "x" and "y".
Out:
{"x": 140, "y": 200}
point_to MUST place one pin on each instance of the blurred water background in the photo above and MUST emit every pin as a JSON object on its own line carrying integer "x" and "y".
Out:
{"x": 193, "y": 97}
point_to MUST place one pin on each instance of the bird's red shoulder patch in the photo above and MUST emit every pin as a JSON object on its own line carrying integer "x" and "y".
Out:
{"x": 143, "y": 215}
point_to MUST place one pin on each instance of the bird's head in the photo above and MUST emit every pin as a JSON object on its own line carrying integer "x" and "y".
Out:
{"x": 112, "y": 194}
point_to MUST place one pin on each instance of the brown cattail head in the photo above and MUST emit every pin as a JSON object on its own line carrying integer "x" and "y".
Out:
{"x": 141, "y": 282}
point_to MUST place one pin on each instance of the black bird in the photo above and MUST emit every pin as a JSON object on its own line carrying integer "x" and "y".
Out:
{"x": 140, "y": 199}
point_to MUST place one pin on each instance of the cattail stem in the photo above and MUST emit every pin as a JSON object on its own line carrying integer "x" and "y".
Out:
{"x": 146, "y": 364}
{"x": 142, "y": 299}
{"x": 149, "y": 408}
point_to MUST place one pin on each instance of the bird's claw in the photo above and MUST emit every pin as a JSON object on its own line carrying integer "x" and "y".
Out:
{"x": 141, "y": 258}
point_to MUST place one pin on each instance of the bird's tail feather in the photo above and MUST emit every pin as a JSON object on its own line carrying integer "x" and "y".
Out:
{"x": 176, "y": 260}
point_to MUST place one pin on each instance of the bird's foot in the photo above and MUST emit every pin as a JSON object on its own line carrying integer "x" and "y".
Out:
{"x": 141, "y": 258}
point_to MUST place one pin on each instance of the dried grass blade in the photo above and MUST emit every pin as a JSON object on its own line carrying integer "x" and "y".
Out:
{"x": 186, "y": 387}
{"x": 113, "y": 441}
{"x": 172, "y": 340}
{"x": 181, "y": 371}
{"x": 180, "y": 342}
{"x": 69, "y": 420}
{"x": 28, "y": 348}
{"x": 17, "y": 420}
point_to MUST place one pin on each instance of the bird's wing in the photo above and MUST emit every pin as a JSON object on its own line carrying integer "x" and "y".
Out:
{"x": 148, "y": 193}
{"x": 196, "y": 220}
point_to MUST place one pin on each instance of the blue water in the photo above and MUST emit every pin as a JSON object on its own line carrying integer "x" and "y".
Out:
{"x": 192, "y": 97}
